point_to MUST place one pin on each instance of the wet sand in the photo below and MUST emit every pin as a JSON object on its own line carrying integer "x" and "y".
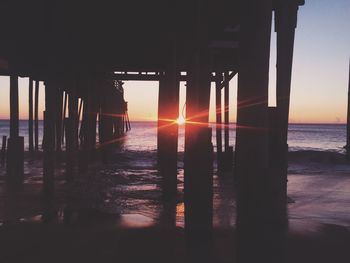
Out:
{"x": 114, "y": 214}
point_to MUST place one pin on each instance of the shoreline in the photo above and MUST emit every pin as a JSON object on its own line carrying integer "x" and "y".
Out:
{"x": 114, "y": 210}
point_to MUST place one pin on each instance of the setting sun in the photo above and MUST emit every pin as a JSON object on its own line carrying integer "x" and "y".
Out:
{"x": 181, "y": 120}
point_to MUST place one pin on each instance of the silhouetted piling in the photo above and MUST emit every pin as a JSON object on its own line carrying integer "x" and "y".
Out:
{"x": 64, "y": 114}
{"x": 276, "y": 211}
{"x": 88, "y": 128}
{"x": 71, "y": 135}
{"x": 251, "y": 136}
{"x": 168, "y": 111}
{"x": 218, "y": 120}
{"x": 15, "y": 149}
{"x": 36, "y": 116}
{"x": 14, "y": 115}
{"x": 348, "y": 123}
{"x": 285, "y": 24}
{"x": 49, "y": 141}
{"x": 3, "y": 150}
{"x": 228, "y": 155}
{"x": 227, "y": 110}
{"x": 30, "y": 116}
{"x": 198, "y": 173}
{"x": 106, "y": 121}
{"x": 59, "y": 118}
{"x": 70, "y": 163}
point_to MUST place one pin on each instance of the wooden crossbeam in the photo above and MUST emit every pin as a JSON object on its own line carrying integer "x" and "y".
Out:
{"x": 147, "y": 77}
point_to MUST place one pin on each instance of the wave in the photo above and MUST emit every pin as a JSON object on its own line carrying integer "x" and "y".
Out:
{"x": 318, "y": 162}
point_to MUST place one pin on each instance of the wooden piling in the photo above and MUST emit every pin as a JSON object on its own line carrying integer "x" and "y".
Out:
{"x": 227, "y": 158}
{"x": 168, "y": 109}
{"x": 59, "y": 118}
{"x": 81, "y": 103}
{"x": 253, "y": 230}
{"x": 168, "y": 112}
{"x": 49, "y": 135}
{"x": 64, "y": 114}
{"x": 15, "y": 151}
{"x": 198, "y": 174}
{"x": 226, "y": 105}
{"x": 285, "y": 24}
{"x": 88, "y": 127}
{"x": 14, "y": 115}
{"x": 3, "y": 150}
{"x": 71, "y": 134}
{"x": 30, "y": 116}
{"x": 36, "y": 116}
{"x": 70, "y": 159}
{"x": 218, "y": 120}
{"x": 106, "y": 122}
{"x": 348, "y": 122}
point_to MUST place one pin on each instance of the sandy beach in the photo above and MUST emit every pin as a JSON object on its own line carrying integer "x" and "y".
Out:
{"x": 115, "y": 214}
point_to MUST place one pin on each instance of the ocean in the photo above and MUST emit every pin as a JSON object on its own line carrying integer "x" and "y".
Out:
{"x": 143, "y": 136}
{"x": 129, "y": 185}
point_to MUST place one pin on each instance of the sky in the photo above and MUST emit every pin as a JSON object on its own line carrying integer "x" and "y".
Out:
{"x": 319, "y": 79}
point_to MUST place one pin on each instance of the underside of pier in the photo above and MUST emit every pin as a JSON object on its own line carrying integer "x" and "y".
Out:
{"x": 83, "y": 50}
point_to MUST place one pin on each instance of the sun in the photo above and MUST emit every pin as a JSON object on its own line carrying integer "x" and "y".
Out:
{"x": 181, "y": 120}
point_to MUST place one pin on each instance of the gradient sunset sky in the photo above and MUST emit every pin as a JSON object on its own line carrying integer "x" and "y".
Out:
{"x": 319, "y": 80}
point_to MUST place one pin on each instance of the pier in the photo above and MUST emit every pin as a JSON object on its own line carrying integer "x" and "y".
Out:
{"x": 82, "y": 61}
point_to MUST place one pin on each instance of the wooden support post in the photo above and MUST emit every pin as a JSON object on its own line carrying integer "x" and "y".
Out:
{"x": 168, "y": 112}
{"x": 49, "y": 135}
{"x": 14, "y": 119}
{"x": 218, "y": 121}
{"x": 81, "y": 102}
{"x": 285, "y": 24}
{"x": 128, "y": 121}
{"x": 70, "y": 159}
{"x": 64, "y": 114}
{"x": 59, "y": 118}
{"x": 228, "y": 155}
{"x": 15, "y": 151}
{"x": 198, "y": 169}
{"x": 348, "y": 122}
{"x": 106, "y": 123}
{"x": 198, "y": 181}
{"x": 71, "y": 135}
{"x": 276, "y": 213}
{"x": 3, "y": 150}
{"x": 253, "y": 230}
{"x": 30, "y": 116}
{"x": 226, "y": 103}
{"x": 88, "y": 128}
{"x": 36, "y": 116}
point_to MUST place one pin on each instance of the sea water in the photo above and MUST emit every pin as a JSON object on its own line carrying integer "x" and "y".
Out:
{"x": 143, "y": 136}
{"x": 318, "y": 181}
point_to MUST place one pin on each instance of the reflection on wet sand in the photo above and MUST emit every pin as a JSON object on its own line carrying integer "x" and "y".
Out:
{"x": 107, "y": 205}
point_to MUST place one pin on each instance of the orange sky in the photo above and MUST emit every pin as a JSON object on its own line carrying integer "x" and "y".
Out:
{"x": 142, "y": 97}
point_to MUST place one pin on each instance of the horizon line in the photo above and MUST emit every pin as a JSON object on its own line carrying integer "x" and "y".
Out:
{"x": 212, "y": 122}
